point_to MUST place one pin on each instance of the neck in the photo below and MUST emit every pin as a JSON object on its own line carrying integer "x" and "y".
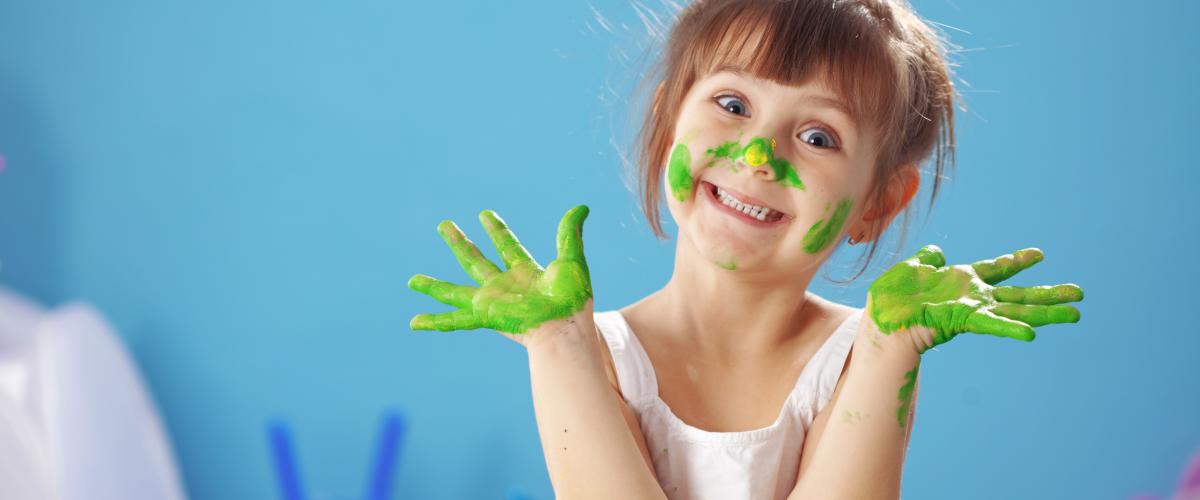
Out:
{"x": 734, "y": 312}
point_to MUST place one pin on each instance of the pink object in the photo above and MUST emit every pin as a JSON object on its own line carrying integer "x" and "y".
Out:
{"x": 1188, "y": 487}
{"x": 1, "y": 163}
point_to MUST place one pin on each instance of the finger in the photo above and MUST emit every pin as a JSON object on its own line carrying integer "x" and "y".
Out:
{"x": 444, "y": 292}
{"x": 472, "y": 261}
{"x": 1000, "y": 326}
{"x": 993, "y": 271}
{"x": 570, "y": 234}
{"x": 511, "y": 250}
{"x": 930, "y": 255}
{"x": 1043, "y": 295}
{"x": 461, "y": 319}
{"x": 1038, "y": 315}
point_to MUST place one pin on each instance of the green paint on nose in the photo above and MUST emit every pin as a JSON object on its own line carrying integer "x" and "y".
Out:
{"x": 728, "y": 264}
{"x": 822, "y": 234}
{"x": 758, "y": 152}
{"x": 679, "y": 172}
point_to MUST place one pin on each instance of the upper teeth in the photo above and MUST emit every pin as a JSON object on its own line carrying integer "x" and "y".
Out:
{"x": 755, "y": 211}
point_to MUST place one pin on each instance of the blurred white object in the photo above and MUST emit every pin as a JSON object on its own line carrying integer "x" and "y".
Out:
{"x": 76, "y": 421}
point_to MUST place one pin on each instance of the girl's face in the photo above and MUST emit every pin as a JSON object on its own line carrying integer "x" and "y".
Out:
{"x": 766, "y": 176}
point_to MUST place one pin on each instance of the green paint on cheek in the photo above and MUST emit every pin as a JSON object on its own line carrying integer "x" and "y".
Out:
{"x": 728, "y": 264}
{"x": 679, "y": 173}
{"x": 905, "y": 395}
{"x": 786, "y": 174}
{"x": 824, "y": 232}
{"x": 729, "y": 150}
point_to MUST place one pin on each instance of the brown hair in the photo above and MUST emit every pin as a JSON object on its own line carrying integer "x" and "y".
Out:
{"x": 886, "y": 62}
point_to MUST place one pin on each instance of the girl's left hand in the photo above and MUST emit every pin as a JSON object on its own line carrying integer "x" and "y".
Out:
{"x": 517, "y": 299}
{"x": 949, "y": 300}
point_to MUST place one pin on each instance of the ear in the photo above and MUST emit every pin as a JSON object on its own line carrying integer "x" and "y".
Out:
{"x": 900, "y": 190}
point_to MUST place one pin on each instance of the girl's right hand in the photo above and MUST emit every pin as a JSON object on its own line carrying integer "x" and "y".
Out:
{"x": 949, "y": 300}
{"x": 518, "y": 299}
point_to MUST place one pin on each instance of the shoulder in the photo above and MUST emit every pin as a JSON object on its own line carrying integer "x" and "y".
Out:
{"x": 833, "y": 313}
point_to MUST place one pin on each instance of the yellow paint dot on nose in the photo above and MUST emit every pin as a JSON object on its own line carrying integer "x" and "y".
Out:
{"x": 759, "y": 151}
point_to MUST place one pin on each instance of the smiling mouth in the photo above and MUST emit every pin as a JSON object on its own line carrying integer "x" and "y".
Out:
{"x": 737, "y": 204}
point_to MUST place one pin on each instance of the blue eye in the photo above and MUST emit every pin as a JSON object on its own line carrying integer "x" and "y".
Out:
{"x": 818, "y": 137}
{"x": 732, "y": 104}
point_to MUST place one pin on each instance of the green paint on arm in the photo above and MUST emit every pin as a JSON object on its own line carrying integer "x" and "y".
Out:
{"x": 821, "y": 234}
{"x": 923, "y": 291}
{"x": 515, "y": 300}
{"x": 728, "y": 264}
{"x": 906, "y": 392}
{"x": 679, "y": 172}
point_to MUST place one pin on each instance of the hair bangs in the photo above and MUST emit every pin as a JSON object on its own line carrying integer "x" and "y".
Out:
{"x": 793, "y": 42}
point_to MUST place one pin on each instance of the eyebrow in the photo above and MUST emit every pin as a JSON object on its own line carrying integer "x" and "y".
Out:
{"x": 829, "y": 102}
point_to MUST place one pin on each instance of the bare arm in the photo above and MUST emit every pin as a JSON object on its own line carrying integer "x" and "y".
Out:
{"x": 586, "y": 437}
{"x": 856, "y": 446}
{"x": 917, "y": 304}
{"x": 586, "y": 431}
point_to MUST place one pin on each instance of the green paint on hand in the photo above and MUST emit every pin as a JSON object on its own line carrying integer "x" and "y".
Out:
{"x": 906, "y": 392}
{"x": 679, "y": 173}
{"x": 728, "y": 264}
{"x": 524, "y": 295}
{"x": 923, "y": 291}
{"x": 821, "y": 234}
{"x": 759, "y": 151}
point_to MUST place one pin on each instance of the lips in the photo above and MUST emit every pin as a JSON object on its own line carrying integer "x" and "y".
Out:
{"x": 746, "y": 208}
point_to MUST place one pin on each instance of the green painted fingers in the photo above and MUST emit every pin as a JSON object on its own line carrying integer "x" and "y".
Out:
{"x": 514, "y": 300}
{"x": 923, "y": 291}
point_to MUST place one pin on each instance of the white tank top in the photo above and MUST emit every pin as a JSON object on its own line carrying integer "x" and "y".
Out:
{"x": 695, "y": 464}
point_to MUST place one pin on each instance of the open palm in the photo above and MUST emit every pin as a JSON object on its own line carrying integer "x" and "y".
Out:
{"x": 514, "y": 300}
{"x": 924, "y": 291}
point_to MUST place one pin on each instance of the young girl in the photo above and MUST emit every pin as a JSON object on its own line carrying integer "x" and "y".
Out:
{"x": 777, "y": 128}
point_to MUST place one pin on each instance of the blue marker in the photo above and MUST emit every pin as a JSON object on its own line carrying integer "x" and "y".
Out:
{"x": 285, "y": 462}
{"x": 391, "y": 436}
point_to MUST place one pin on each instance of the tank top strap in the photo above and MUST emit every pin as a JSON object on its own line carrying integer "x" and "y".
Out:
{"x": 820, "y": 376}
{"x": 635, "y": 374}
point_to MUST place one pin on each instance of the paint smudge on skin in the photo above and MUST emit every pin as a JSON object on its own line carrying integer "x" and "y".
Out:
{"x": 728, "y": 264}
{"x": 949, "y": 300}
{"x": 759, "y": 151}
{"x": 679, "y": 173}
{"x": 905, "y": 395}
{"x": 514, "y": 300}
{"x": 851, "y": 417}
{"x": 824, "y": 232}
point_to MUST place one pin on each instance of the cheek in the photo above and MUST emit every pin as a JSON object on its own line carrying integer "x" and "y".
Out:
{"x": 828, "y": 228}
{"x": 680, "y": 180}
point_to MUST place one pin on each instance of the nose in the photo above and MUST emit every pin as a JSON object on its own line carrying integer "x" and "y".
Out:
{"x": 757, "y": 155}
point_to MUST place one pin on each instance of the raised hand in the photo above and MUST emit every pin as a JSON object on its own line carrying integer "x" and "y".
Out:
{"x": 924, "y": 291}
{"x": 517, "y": 299}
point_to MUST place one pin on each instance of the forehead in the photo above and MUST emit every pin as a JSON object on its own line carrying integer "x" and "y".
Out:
{"x": 835, "y": 53}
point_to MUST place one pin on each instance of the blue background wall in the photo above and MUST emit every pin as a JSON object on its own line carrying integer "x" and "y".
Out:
{"x": 245, "y": 186}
